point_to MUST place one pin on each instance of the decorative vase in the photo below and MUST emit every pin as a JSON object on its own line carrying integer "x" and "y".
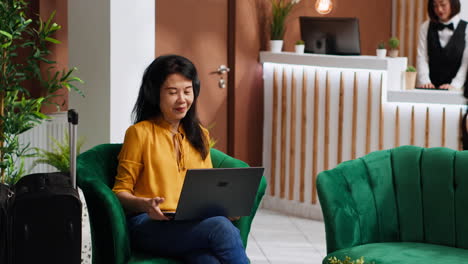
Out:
{"x": 299, "y": 49}
{"x": 393, "y": 53}
{"x": 381, "y": 53}
{"x": 276, "y": 45}
{"x": 410, "y": 80}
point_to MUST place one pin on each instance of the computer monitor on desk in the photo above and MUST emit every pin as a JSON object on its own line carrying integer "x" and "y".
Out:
{"x": 331, "y": 35}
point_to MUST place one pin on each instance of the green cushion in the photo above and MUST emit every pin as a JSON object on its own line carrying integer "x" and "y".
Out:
{"x": 96, "y": 169}
{"x": 405, "y": 194}
{"x": 403, "y": 252}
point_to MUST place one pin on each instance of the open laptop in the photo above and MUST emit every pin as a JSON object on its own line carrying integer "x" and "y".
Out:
{"x": 217, "y": 192}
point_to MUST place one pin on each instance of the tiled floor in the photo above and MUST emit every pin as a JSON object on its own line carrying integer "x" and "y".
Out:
{"x": 276, "y": 238}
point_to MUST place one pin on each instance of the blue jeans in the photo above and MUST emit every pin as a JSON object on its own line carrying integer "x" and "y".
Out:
{"x": 212, "y": 240}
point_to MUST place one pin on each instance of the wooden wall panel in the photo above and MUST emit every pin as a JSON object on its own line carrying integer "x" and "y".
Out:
{"x": 317, "y": 126}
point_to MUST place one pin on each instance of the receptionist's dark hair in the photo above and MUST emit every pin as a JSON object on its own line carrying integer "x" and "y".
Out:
{"x": 454, "y": 5}
{"x": 147, "y": 105}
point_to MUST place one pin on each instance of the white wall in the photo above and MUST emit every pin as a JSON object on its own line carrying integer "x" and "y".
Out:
{"x": 89, "y": 50}
{"x": 132, "y": 40}
{"x": 111, "y": 42}
{"x": 464, "y": 9}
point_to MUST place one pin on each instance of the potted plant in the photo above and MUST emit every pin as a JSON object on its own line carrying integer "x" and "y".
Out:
{"x": 59, "y": 157}
{"x": 20, "y": 112}
{"x": 280, "y": 9}
{"x": 393, "y": 43}
{"x": 299, "y": 47}
{"x": 410, "y": 77}
{"x": 381, "y": 50}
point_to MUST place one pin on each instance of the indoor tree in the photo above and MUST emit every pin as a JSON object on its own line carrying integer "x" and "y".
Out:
{"x": 24, "y": 42}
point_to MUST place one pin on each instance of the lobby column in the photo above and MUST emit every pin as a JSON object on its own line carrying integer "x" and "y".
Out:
{"x": 111, "y": 42}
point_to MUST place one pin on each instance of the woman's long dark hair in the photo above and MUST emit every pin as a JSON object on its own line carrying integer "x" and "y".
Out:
{"x": 454, "y": 6}
{"x": 147, "y": 105}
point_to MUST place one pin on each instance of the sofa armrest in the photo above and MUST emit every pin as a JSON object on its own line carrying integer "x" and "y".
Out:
{"x": 222, "y": 160}
{"x": 339, "y": 211}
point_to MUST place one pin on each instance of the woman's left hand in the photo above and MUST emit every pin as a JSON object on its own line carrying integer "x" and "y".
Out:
{"x": 446, "y": 86}
{"x": 234, "y": 218}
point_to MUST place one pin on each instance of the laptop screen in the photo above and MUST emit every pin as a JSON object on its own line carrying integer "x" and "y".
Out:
{"x": 218, "y": 192}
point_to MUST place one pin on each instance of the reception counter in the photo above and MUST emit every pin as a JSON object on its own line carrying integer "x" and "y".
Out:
{"x": 321, "y": 110}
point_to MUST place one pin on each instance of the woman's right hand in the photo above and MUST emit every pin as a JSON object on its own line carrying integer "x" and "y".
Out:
{"x": 427, "y": 86}
{"x": 152, "y": 208}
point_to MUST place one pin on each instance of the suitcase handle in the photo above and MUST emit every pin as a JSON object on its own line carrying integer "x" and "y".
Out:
{"x": 73, "y": 116}
{"x": 72, "y": 124}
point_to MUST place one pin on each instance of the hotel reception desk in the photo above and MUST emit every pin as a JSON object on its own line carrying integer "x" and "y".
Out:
{"x": 321, "y": 110}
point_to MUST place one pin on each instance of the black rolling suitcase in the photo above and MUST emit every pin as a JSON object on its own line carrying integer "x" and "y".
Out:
{"x": 5, "y": 196}
{"x": 46, "y": 214}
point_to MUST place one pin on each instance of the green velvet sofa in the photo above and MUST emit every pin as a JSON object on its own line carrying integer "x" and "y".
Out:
{"x": 403, "y": 205}
{"x": 96, "y": 169}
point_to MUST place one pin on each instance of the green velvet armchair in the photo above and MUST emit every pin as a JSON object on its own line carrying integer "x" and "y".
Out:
{"x": 96, "y": 169}
{"x": 404, "y": 205}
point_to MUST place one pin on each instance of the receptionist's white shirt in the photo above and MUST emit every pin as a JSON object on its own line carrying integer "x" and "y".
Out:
{"x": 444, "y": 37}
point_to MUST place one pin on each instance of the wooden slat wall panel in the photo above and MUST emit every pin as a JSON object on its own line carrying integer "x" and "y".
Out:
{"x": 399, "y": 15}
{"x": 339, "y": 150}
{"x": 407, "y": 44}
{"x": 443, "y": 128}
{"x": 315, "y": 137}
{"x": 427, "y": 131}
{"x": 409, "y": 16}
{"x": 460, "y": 119}
{"x": 417, "y": 25}
{"x": 327, "y": 123}
{"x": 369, "y": 113}
{"x": 273, "y": 136}
{"x": 302, "y": 172}
{"x": 397, "y": 127}
{"x": 412, "y": 126}
{"x": 381, "y": 115}
{"x": 305, "y": 116}
{"x": 284, "y": 106}
{"x": 292, "y": 137}
{"x": 354, "y": 120}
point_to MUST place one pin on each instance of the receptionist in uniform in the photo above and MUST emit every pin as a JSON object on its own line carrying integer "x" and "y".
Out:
{"x": 442, "y": 60}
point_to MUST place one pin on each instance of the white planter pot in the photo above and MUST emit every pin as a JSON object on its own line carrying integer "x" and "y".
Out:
{"x": 276, "y": 45}
{"x": 299, "y": 49}
{"x": 381, "y": 53}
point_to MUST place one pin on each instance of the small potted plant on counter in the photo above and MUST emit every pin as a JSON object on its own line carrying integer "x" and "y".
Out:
{"x": 280, "y": 10}
{"x": 393, "y": 43}
{"x": 299, "y": 47}
{"x": 381, "y": 50}
{"x": 410, "y": 77}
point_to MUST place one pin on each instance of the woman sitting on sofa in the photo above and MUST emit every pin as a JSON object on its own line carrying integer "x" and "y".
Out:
{"x": 165, "y": 141}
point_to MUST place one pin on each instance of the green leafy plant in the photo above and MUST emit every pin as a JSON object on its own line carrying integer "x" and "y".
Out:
{"x": 393, "y": 43}
{"x": 280, "y": 9}
{"x": 59, "y": 157}
{"x": 347, "y": 260}
{"x": 213, "y": 141}
{"x": 381, "y": 45}
{"x": 411, "y": 69}
{"x": 20, "y": 112}
{"x": 300, "y": 42}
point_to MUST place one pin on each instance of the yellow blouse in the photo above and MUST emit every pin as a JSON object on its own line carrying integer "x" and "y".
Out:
{"x": 148, "y": 162}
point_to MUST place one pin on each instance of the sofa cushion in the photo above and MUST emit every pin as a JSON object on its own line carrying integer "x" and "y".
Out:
{"x": 403, "y": 252}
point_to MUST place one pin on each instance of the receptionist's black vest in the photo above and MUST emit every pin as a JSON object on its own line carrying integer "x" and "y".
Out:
{"x": 445, "y": 62}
